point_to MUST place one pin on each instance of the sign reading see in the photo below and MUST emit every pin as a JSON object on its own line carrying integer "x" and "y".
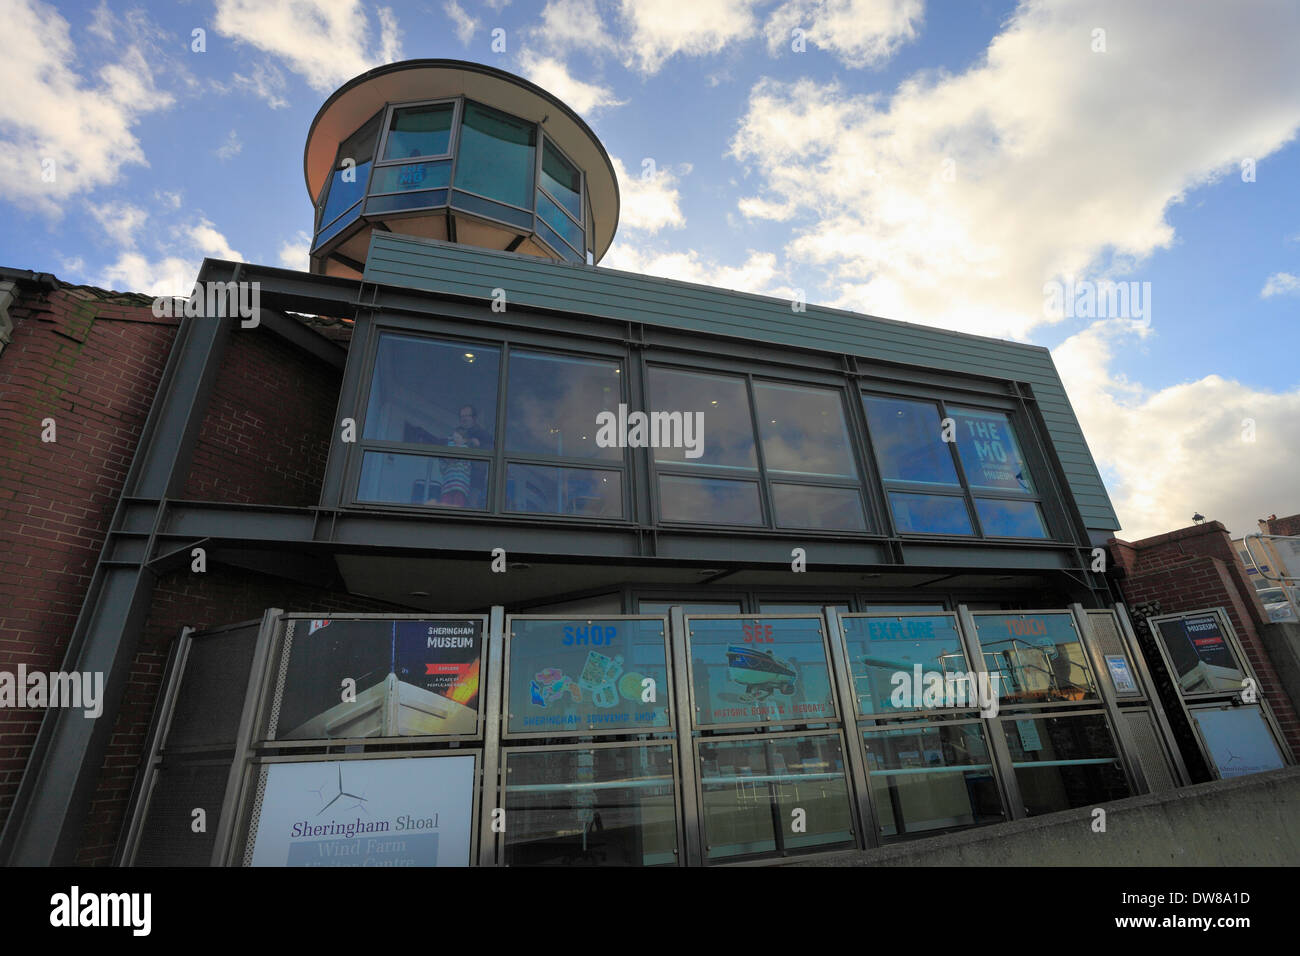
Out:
{"x": 758, "y": 634}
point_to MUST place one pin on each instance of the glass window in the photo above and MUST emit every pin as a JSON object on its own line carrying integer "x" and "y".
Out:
{"x": 937, "y": 607}
{"x": 388, "y": 478}
{"x": 769, "y": 670}
{"x": 790, "y": 607}
{"x": 580, "y": 676}
{"x": 1010, "y": 519}
{"x": 558, "y": 221}
{"x": 537, "y": 489}
{"x": 562, "y": 180}
{"x": 711, "y": 500}
{"x": 1036, "y": 657}
{"x": 392, "y": 179}
{"x": 752, "y": 787}
{"x": 1064, "y": 762}
{"x": 809, "y": 506}
{"x": 989, "y": 452}
{"x": 427, "y": 392}
{"x": 662, "y": 607}
{"x": 351, "y": 171}
{"x": 419, "y": 131}
{"x": 605, "y": 806}
{"x": 908, "y": 440}
{"x": 554, "y": 402}
{"x": 723, "y": 404}
{"x": 903, "y": 664}
{"x": 496, "y": 156}
{"x": 1202, "y": 657}
{"x": 434, "y": 664}
{"x": 932, "y": 514}
{"x": 931, "y": 778}
{"x": 803, "y": 431}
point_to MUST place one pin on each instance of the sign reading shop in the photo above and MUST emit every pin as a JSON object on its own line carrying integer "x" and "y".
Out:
{"x": 587, "y": 676}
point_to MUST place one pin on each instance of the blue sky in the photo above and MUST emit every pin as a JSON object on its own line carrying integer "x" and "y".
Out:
{"x": 945, "y": 163}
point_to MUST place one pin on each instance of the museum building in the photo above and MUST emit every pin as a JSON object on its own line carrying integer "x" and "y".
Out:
{"x": 462, "y": 550}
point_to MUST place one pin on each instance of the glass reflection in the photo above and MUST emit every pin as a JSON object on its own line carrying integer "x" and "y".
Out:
{"x": 1037, "y": 658}
{"x": 803, "y": 431}
{"x": 419, "y": 131}
{"x": 989, "y": 453}
{"x": 423, "y": 480}
{"x": 808, "y": 506}
{"x": 536, "y": 489}
{"x": 908, "y": 441}
{"x": 562, "y": 180}
{"x": 553, "y": 403}
{"x": 709, "y": 500}
{"x": 724, "y": 404}
{"x": 930, "y": 514}
{"x": 884, "y": 653}
{"x": 496, "y": 156}
{"x": 1064, "y": 762}
{"x": 1010, "y": 519}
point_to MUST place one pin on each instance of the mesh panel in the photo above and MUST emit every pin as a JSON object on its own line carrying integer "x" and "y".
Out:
{"x": 166, "y": 836}
{"x": 211, "y": 696}
{"x": 1104, "y": 630}
{"x": 1146, "y": 739}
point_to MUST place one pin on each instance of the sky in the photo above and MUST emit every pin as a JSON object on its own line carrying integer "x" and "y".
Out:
{"x": 1116, "y": 180}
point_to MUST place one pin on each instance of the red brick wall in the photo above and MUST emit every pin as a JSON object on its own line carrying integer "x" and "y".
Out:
{"x": 1290, "y": 525}
{"x": 268, "y": 426}
{"x": 220, "y": 596}
{"x": 1195, "y": 568}
{"x": 91, "y": 361}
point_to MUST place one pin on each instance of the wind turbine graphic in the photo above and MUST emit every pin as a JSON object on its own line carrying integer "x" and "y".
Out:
{"x": 341, "y": 793}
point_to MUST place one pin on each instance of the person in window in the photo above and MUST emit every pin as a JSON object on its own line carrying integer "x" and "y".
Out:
{"x": 455, "y": 474}
{"x": 475, "y": 436}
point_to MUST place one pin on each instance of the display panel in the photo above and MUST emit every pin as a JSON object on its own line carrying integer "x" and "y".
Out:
{"x": 990, "y": 454}
{"x": 898, "y": 662}
{"x": 411, "y": 811}
{"x": 599, "y": 806}
{"x": 1238, "y": 740}
{"x": 1202, "y": 656}
{"x": 768, "y": 670}
{"x": 1064, "y": 762}
{"x": 931, "y": 778}
{"x": 587, "y": 676}
{"x": 408, "y": 678}
{"x": 772, "y": 795}
{"x": 1038, "y": 658}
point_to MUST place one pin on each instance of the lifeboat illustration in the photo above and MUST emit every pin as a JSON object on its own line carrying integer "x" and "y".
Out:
{"x": 761, "y": 672}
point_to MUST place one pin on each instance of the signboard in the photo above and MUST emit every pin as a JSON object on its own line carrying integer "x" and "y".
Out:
{"x": 411, "y": 811}
{"x": 380, "y": 678}
{"x": 1238, "y": 741}
{"x": 759, "y": 671}
{"x": 587, "y": 676}
{"x": 1038, "y": 657}
{"x": 1120, "y": 676}
{"x": 884, "y": 653}
{"x": 988, "y": 450}
{"x": 1202, "y": 658}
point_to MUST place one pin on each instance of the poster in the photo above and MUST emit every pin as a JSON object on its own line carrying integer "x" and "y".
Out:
{"x": 587, "y": 676}
{"x": 1038, "y": 657}
{"x": 765, "y": 671}
{"x": 406, "y": 678}
{"x": 1202, "y": 657}
{"x": 1238, "y": 740}
{"x": 881, "y": 648}
{"x": 989, "y": 453}
{"x": 411, "y": 811}
{"x": 1120, "y": 675}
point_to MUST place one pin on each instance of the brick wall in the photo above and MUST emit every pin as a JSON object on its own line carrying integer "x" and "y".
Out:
{"x": 1290, "y": 525}
{"x": 268, "y": 426}
{"x": 219, "y": 596}
{"x": 1195, "y": 568}
{"x": 91, "y": 361}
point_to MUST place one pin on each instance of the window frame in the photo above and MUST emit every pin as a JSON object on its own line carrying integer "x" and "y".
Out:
{"x": 390, "y": 110}
{"x": 323, "y": 199}
{"x": 464, "y": 103}
{"x": 582, "y": 221}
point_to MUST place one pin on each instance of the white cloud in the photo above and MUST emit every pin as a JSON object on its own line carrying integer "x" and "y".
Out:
{"x": 860, "y": 32}
{"x": 182, "y": 241}
{"x": 1180, "y": 450}
{"x": 327, "y": 42}
{"x": 1056, "y": 163}
{"x": 656, "y": 32}
{"x": 119, "y": 220}
{"x": 230, "y": 148}
{"x": 649, "y": 203}
{"x": 551, "y": 75}
{"x": 267, "y": 83}
{"x": 464, "y": 23}
{"x": 573, "y": 25}
{"x": 53, "y": 121}
{"x": 1280, "y": 283}
{"x": 295, "y": 253}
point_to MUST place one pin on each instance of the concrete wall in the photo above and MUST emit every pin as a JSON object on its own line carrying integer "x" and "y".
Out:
{"x": 1247, "y": 821}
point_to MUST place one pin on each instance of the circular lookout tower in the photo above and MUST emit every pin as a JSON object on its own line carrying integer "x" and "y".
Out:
{"x": 457, "y": 151}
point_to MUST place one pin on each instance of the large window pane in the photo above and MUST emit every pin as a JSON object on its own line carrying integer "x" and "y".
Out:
{"x": 751, "y": 788}
{"x": 600, "y": 807}
{"x": 909, "y": 441}
{"x": 496, "y": 156}
{"x": 1064, "y": 762}
{"x": 930, "y": 514}
{"x": 803, "y": 431}
{"x": 419, "y": 131}
{"x": 807, "y": 506}
{"x": 433, "y": 393}
{"x": 768, "y": 670}
{"x": 710, "y": 500}
{"x": 562, "y": 180}
{"x": 423, "y": 480}
{"x": 884, "y": 653}
{"x": 580, "y": 676}
{"x": 558, "y": 221}
{"x": 724, "y": 403}
{"x": 351, "y": 170}
{"x": 931, "y": 778}
{"x": 537, "y": 489}
{"x": 1038, "y": 657}
{"x": 1010, "y": 519}
{"x": 553, "y": 403}
{"x": 989, "y": 452}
